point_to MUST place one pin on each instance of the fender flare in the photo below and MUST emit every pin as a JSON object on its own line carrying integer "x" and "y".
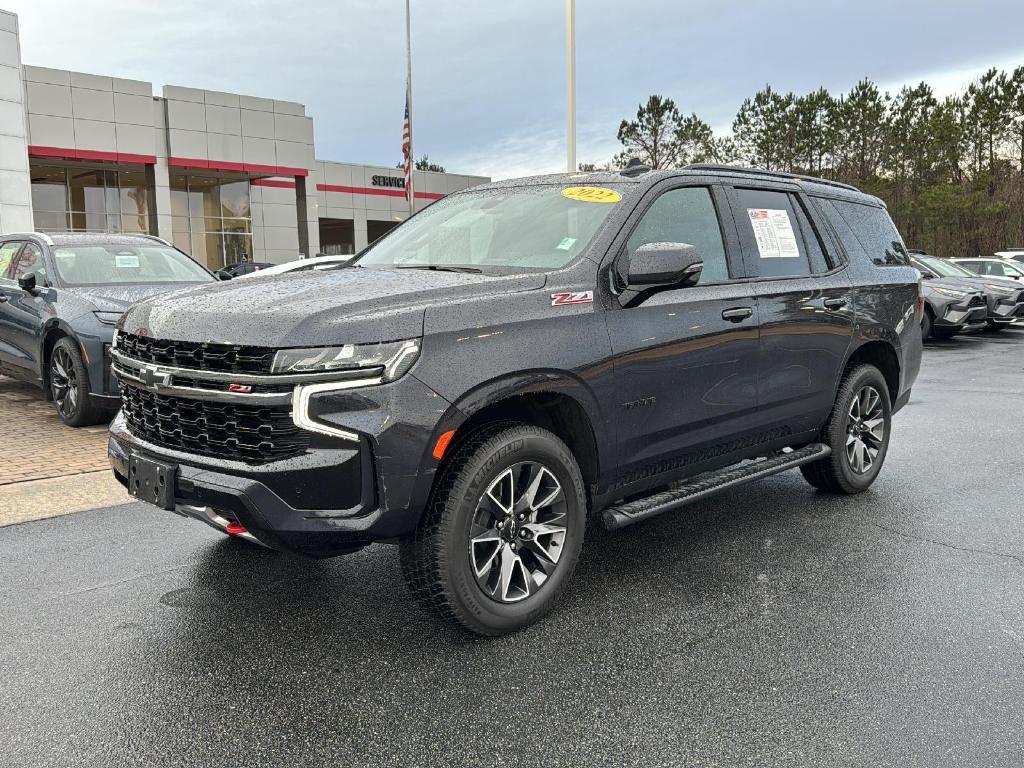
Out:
{"x": 526, "y": 382}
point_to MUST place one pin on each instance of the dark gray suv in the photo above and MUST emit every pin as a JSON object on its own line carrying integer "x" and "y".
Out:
{"x": 60, "y": 298}
{"x": 519, "y": 357}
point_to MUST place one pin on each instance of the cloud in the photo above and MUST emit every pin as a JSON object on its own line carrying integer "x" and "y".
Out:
{"x": 490, "y": 77}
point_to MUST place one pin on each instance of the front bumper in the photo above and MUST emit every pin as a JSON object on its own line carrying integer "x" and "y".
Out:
{"x": 1004, "y": 313}
{"x": 337, "y": 496}
{"x": 961, "y": 317}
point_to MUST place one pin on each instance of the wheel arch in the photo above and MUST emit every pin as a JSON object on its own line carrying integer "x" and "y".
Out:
{"x": 53, "y": 332}
{"x": 553, "y": 400}
{"x": 881, "y": 354}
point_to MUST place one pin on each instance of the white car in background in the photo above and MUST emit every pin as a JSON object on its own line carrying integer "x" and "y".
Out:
{"x": 1014, "y": 270}
{"x": 299, "y": 265}
{"x": 1014, "y": 254}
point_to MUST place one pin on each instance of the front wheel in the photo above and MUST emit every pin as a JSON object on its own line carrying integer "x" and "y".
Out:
{"x": 69, "y": 386}
{"x": 503, "y": 531}
{"x": 857, "y": 432}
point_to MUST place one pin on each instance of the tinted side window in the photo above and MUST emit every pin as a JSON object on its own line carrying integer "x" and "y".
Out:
{"x": 873, "y": 230}
{"x": 685, "y": 216}
{"x": 820, "y": 261}
{"x": 771, "y": 234}
{"x": 7, "y": 252}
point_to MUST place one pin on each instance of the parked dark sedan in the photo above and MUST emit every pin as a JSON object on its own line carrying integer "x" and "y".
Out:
{"x": 60, "y": 298}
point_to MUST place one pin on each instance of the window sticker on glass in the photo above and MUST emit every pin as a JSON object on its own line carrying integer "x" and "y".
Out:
{"x": 566, "y": 243}
{"x": 592, "y": 194}
{"x": 126, "y": 261}
{"x": 774, "y": 233}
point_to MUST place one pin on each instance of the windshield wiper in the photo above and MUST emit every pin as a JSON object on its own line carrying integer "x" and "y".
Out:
{"x": 439, "y": 268}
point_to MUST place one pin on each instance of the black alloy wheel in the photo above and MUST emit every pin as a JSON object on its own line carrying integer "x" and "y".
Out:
{"x": 69, "y": 386}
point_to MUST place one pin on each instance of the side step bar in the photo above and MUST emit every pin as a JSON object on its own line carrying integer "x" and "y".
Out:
{"x": 708, "y": 484}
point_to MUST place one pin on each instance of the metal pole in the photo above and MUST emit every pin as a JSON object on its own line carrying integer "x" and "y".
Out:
{"x": 408, "y": 84}
{"x": 570, "y": 72}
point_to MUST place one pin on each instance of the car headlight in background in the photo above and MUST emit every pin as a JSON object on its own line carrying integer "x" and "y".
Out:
{"x": 108, "y": 318}
{"x": 999, "y": 290}
{"x": 949, "y": 292}
{"x": 395, "y": 357}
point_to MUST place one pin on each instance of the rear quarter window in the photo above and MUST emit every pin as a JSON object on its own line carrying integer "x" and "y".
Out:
{"x": 868, "y": 230}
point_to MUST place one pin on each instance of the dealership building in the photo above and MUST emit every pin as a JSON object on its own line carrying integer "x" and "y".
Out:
{"x": 221, "y": 175}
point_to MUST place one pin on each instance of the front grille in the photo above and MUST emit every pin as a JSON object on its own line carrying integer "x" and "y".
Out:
{"x": 201, "y": 356}
{"x": 977, "y": 301}
{"x": 254, "y": 434}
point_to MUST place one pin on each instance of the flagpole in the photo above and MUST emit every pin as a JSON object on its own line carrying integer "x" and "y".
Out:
{"x": 408, "y": 95}
{"x": 570, "y": 73}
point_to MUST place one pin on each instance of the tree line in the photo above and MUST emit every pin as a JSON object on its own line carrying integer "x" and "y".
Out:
{"x": 951, "y": 170}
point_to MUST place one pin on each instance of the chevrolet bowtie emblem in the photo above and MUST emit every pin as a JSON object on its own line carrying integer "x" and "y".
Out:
{"x": 151, "y": 376}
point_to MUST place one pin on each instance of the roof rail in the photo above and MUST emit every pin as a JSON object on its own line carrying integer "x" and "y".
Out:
{"x": 761, "y": 172}
{"x": 41, "y": 235}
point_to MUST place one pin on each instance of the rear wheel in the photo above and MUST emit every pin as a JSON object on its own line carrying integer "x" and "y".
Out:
{"x": 857, "y": 432}
{"x": 503, "y": 531}
{"x": 69, "y": 386}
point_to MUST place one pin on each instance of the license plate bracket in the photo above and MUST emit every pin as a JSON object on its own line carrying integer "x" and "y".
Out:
{"x": 152, "y": 481}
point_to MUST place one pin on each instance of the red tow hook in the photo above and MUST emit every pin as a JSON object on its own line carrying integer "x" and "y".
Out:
{"x": 235, "y": 528}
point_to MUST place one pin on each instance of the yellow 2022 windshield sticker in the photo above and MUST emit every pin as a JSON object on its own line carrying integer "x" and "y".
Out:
{"x": 592, "y": 194}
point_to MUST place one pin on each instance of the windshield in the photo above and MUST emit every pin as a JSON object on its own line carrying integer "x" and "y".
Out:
{"x": 120, "y": 264}
{"x": 945, "y": 268}
{"x": 498, "y": 231}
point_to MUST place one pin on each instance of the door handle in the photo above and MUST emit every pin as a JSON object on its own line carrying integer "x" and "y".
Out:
{"x": 834, "y": 303}
{"x": 736, "y": 314}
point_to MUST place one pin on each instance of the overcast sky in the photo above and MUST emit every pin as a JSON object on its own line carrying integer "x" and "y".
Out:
{"x": 489, "y": 75}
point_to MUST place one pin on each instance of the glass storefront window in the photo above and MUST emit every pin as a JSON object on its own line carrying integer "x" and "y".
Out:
{"x": 87, "y": 199}
{"x": 211, "y": 215}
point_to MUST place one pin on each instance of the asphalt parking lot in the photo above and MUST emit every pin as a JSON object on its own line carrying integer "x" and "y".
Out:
{"x": 772, "y": 625}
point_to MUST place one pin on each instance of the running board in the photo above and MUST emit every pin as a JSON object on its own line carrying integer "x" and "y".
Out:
{"x": 709, "y": 483}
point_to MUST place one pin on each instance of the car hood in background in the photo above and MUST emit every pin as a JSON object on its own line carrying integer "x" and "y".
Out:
{"x": 319, "y": 308}
{"x": 117, "y": 298}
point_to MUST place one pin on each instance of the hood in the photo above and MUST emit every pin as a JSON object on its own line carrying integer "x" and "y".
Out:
{"x": 963, "y": 284}
{"x": 117, "y": 298}
{"x": 318, "y": 308}
{"x": 1002, "y": 282}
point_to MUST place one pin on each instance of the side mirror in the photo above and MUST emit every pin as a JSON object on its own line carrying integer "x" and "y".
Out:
{"x": 223, "y": 274}
{"x": 27, "y": 283}
{"x": 664, "y": 264}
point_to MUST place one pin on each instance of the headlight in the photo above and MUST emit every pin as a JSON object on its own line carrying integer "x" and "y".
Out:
{"x": 395, "y": 357}
{"x": 108, "y": 318}
{"x": 999, "y": 290}
{"x": 950, "y": 293}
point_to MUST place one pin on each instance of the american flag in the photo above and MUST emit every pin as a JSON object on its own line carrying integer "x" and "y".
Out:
{"x": 407, "y": 154}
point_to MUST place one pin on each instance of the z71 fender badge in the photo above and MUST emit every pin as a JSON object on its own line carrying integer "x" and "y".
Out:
{"x": 572, "y": 297}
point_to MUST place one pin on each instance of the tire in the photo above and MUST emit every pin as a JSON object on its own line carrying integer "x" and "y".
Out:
{"x": 839, "y": 472}
{"x": 926, "y": 324}
{"x": 69, "y": 386}
{"x": 479, "y": 566}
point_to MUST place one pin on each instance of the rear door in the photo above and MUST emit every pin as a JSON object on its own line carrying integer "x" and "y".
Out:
{"x": 685, "y": 358}
{"x": 806, "y": 300}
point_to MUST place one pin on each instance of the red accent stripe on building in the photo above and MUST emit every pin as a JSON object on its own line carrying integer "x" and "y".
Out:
{"x": 34, "y": 150}
{"x": 223, "y": 165}
{"x": 376, "y": 191}
{"x": 273, "y": 183}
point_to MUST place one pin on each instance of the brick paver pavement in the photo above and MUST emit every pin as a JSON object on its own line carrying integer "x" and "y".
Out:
{"x": 35, "y": 444}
